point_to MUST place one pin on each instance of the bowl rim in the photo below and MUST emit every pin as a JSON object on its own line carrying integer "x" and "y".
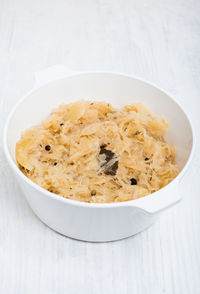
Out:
{"x": 132, "y": 203}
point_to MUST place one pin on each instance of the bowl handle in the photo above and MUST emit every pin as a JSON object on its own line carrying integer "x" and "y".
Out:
{"x": 163, "y": 199}
{"x": 50, "y": 74}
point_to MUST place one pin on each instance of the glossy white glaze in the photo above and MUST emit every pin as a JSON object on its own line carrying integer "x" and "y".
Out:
{"x": 97, "y": 222}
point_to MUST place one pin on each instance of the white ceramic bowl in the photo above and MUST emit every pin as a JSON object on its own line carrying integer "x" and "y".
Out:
{"x": 86, "y": 221}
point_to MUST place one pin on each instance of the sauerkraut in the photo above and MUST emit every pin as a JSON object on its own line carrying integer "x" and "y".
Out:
{"x": 92, "y": 152}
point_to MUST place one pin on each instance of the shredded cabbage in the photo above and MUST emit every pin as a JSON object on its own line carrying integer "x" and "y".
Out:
{"x": 75, "y": 166}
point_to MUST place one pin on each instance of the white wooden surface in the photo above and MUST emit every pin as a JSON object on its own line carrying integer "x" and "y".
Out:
{"x": 157, "y": 40}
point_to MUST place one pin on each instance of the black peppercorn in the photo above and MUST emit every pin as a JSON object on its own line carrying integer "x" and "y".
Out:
{"x": 137, "y": 133}
{"x": 133, "y": 181}
{"x": 47, "y": 148}
{"x": 146, "y": 158}
{"x": 93, "y": 193}
{"x": 61, "y": 124}
{"x": 55, "y": 163}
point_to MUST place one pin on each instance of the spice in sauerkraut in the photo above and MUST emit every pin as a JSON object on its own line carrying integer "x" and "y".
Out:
{"x": 93, "y": 152}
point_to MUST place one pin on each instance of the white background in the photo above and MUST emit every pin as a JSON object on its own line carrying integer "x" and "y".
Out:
{"x": 156, "y": 40}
